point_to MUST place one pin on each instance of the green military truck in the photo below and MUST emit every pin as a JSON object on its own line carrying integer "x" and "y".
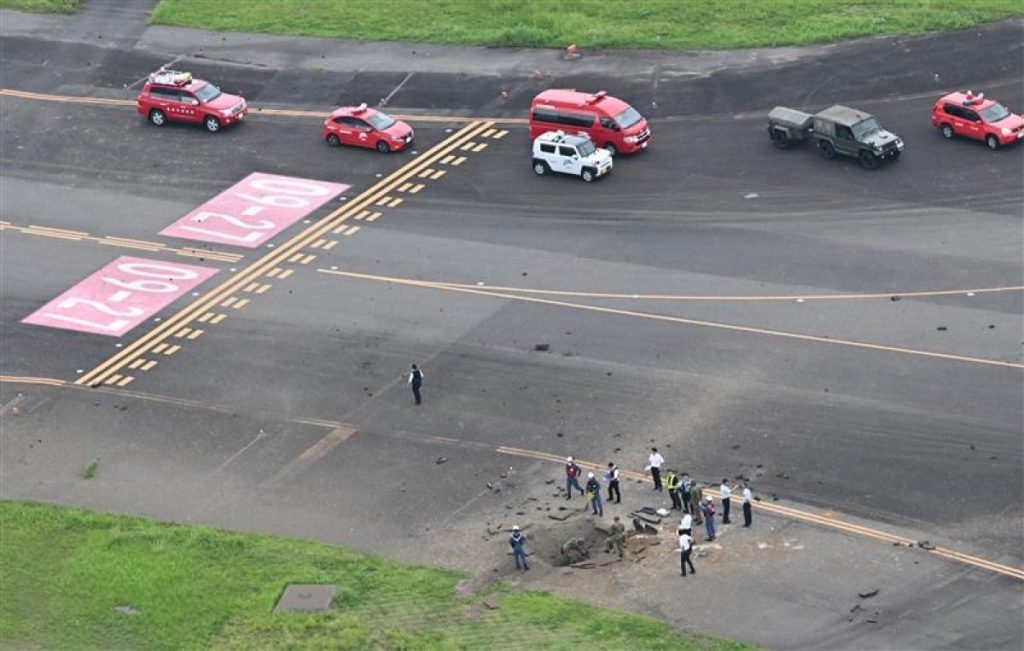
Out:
{"x": 836, "y": 130}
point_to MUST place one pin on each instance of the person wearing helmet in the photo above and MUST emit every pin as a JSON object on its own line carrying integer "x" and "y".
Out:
{"x": 594, "y": 494}
{"x": 517, "y": 540}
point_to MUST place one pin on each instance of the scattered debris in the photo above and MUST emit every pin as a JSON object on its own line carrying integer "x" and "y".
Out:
{"x": 126, "y": 610}
{"x": 441, "y": 460}
{"x": 90, "y": 469}
{"x": 550, "y": 481}
{"x": 941, "y": 328}
{"x": 894, "y": 298}
{"x": 542, "y": 347}
{"x": 867, "y": 594}
{"x": 560, "y": 517}
{"x": 489, "y": 606}
{"x": 925, "y": 545}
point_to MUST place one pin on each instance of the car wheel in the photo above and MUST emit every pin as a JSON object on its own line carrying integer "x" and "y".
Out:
{"x": 992, "y": 142}
{"x": 895, "y": 156}
{"x": 587, "y": 175}
{"x": 868, "y": 160}
{"x": 540, "y": 168}
{"x": 947, "y": 132}
{"x": 212, "y": 124}
{"x": 383, "y": 146}
{"x": 780, "y": 139}
{"x": 611, "y": 149}
{"x": 826, "y": 149}
{"x": 157, "y": 117}
{"x": 333, "y": 140}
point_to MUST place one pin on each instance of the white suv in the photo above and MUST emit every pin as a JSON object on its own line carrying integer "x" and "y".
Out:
{"x": 555, "y": 151}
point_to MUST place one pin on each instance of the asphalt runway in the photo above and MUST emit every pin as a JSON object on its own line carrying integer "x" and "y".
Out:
{"x": 748, "y": 310}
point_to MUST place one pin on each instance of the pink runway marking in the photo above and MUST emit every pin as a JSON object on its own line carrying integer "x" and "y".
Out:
{"x": 254, "y": 210}
{"x": 120, "y": 296}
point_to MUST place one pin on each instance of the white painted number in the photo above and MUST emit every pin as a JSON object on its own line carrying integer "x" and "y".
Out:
{"x": 114, "y": 326}
{"x": 158, "y": 286}
{"x": 276, "y": 200}
{"x": 290, "y": 186}
{"x": 72, "y": 301}
{"x": 171, "y": 271}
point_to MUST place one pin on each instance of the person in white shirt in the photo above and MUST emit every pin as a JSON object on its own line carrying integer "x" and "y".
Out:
{"x": 416, "y": 381}
{"x": 747, "y": 497}
{"x": 726, "y": 494}
{"x": 686, "y": 524}
{"x": 685, "y": 549}
{"x": 654, "y": 464}
{"x": 613, "y": 483}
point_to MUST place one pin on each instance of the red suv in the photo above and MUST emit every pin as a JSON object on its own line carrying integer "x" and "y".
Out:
{"x": 366, "y": 127}
{"x": 976, "y": 116}
{"x": 176, "y": 96}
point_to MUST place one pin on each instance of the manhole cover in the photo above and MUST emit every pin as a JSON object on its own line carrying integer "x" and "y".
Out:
{"x": 304, "y": 597}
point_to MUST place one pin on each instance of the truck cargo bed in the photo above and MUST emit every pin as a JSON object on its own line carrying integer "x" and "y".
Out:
{"x": 792, "y": 119}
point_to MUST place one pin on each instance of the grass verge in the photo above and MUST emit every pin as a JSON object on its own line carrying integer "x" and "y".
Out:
{"x": 44, "y": 6}
{"x": 64, "y": 574}
{"x": 719, "y": 24}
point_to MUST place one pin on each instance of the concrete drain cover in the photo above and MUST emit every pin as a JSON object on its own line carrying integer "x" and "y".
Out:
{"x": 305, "y": 597}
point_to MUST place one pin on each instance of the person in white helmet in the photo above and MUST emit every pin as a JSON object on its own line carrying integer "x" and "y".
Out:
{"x": 594, "y": 494}
{"x": 517, "y": 540}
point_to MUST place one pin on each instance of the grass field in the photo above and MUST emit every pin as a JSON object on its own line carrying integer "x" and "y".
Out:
{"x": 44, "y": 6}
{"x": 64, "y": 572}
{"x": 715, "y": 24}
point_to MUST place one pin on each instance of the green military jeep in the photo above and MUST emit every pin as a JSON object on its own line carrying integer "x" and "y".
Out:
{"x": 836, "y": 130}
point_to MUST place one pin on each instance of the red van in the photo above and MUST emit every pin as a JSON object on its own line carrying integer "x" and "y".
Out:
{"x": 610, "y": 122}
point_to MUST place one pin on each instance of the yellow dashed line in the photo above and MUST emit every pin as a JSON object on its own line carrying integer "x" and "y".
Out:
{"x": 374, "y": 217}
{"x": 309, "y": 258}
{"x": 242, "y": 303}
{"x": 318, "y": 244}
{"x": 195, "y": 334}
{"x": 286, "y": 273}
{"x": 330, "y": 245}
{"x": 427, "y": 172}
{"x": 126, "y": 381}
{"x": 263, "y": 288}
{"x": 383, "y": 201}
{"x": 447, "y": 159}
{"x": 501, "y": 134}
{"x": 488, "y": 133}
{"x": 173, "y": 349}
{"x": 362, "y": 215}
{"x": 458, "y": 161}
{"x": 468, "y": 146}
{"x": 150, "y": 364}
{"x": 479, "y": 148}
{"x": 404, "y": 187}
{"x": 416, "y": 188}
{"x": 251, "y": 287}
{"x": 217, "y": 319}
{"x": 274, "y": 273}
{"x": 396, "y": 202}
{"x": 340, "y": 228}
{"x": 353, "y": 230}
{"x": 296, "y": 257}
{"x": 206, "y": 317}
{"x": 113, "y": 379}
{"x": 229, "y": 302}
{"x": 159, "y": 348}
{"x": 137, "y": 363}
{"x": 438, "y": 174}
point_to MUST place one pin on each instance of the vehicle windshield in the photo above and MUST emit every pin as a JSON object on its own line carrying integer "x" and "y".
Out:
{"x": 628, "y": 118}
{"x": 865, "y": 128}
{"x": 995, "y": 113}
{"x": 586, "y": 148}
{"x": 380, "y": 121}
{"x": 208, "y": 93}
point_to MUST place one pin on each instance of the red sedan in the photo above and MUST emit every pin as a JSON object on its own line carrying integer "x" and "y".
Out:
{"x": 366, "y": 127}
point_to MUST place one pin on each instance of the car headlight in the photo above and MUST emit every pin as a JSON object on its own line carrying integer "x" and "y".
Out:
{"x": 1005, "y": 131}
{"x": 226, "y": 112}
{"x": 631, "y": 139}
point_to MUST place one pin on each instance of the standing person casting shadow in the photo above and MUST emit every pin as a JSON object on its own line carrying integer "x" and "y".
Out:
{"x": 416, "y": 381}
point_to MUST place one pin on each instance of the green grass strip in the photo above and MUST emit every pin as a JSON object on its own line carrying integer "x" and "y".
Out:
{"x": 65, "y": 572}
{"x": 44, "y": 6}
{"x": 713, "y": 24}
